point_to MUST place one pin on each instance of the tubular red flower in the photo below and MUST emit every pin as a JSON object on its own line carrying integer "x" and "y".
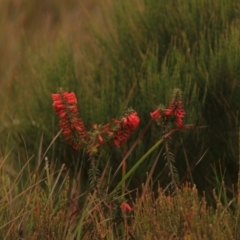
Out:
{"x": 126, "y": 128}
{"x": 70, "y": 97}
{"x": 126, "y": 207}
{"x": 168, "y": 112}
{"x": 72, "y": 126}
{"x": 122, "y": 128}
{"x": 131, "y": 121}
{"x": 176, "y": 109}
{"x": 179, "y": 122}
{"x": 179, "y": 114}
{"x": 100, "y": 139}
{"x": 155, "y": 115}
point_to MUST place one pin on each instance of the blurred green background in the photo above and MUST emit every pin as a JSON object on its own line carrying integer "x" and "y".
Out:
{"x": 119, "y": 54}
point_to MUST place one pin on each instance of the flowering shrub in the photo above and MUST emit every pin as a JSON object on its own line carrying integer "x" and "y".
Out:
{"x": 163, "y": 117}
{"x": 115, "y": 133}
{"x": 74, "y": 131}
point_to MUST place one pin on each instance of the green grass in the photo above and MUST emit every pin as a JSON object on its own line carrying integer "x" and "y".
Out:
{"x": 50, "y": 206}
{"x": 113, "y": 56}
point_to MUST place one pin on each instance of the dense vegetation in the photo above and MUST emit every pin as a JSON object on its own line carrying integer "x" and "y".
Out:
{"x": 115, "y": 55}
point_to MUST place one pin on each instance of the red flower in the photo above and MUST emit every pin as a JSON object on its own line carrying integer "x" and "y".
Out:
{"x": 155, "y": 115}
{"x": 125, "y": 128}
{"x": 179, "y": 114}
{"x": 176, "y": 109}
{"x": 168, "y": 112}
{"x": 100, "y": 139}
{"x": 131, "y": 121}
{"x": 72, "y": 126}
{"x": 179, "y": 122}
{"x": 120, "y": 130}
{"x": 126, "y": 207}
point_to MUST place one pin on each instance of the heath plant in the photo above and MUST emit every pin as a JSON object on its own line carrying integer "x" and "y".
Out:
{"x": 115, "y": 134}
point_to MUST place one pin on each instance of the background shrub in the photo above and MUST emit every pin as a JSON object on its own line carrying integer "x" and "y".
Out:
{"x": 134, "y": 54}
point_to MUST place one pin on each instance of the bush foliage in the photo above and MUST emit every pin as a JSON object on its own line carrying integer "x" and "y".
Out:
{"x": 125, "y": 54}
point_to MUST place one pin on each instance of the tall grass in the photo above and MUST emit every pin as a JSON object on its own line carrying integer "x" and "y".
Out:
{"x": 138, "y": 53}
{"x": 147, "y": 49}
{"x": 50, "y": 206}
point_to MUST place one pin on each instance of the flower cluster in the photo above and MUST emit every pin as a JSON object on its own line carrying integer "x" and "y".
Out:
{"x": 65, "y": 106}
{"x": 74, "y": 131}
{"x": 117, "y": 132}
{"x": 174, "y": 111}
{"x": 122, "y": 128}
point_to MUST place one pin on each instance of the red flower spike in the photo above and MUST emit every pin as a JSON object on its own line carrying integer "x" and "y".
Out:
{"x": 72, "y": 126}
{"x": 126, "y": 207}
{"x": 176, "y": 106}
{"x": 179, "y": 114}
